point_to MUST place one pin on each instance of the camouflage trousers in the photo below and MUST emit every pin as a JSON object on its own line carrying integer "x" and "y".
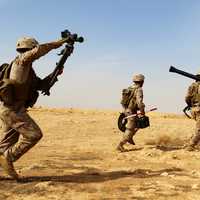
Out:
{"x": 130, "y": 130}
{"x": 196, "y": 137}
{"x": 19, "y": 133}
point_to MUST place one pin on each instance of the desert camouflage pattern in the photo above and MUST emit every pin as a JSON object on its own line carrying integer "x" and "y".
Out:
{"x": 26, "y": 43}
{"x": 196, "y": 137}
{"x": 19, "y": 131}
{"x": 193, "y": 99}
{"x": 136, "y": 103}
{"x": 138, "y": 77}
{"x": 132, "y": 109}
{"x": 23, "y": 63}
{"x": 130, "y": 130}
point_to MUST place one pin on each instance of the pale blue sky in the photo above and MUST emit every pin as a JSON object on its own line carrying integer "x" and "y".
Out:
{"x": 122, "y": 37}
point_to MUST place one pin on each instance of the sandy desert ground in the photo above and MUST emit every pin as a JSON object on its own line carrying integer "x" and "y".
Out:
{"x": 76, "y": 159}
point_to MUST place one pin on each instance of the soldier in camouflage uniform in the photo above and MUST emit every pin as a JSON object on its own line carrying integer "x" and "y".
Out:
{"x": 193, "y": 100}
{"x": 134, "y": 106}
{"x": 19, "y": 131}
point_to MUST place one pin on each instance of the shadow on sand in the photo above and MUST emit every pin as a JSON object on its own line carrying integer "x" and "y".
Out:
{"x": 132, "y": 149}
{"x": 169, "y": 148}
{"x": 95, "y": 177}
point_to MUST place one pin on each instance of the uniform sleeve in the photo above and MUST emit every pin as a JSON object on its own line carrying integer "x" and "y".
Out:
{"x": 45, "y": 83}
{"x": 139, "y": 99}
{"x": 189, "y": 95}
{"x": 39, "y": 51}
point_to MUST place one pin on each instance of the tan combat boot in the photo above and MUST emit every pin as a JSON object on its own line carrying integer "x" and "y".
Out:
{"x": 8, "y": 167}
{"x": 120, "y": 148}
{"x": 189, "y": 147}
{"x": 131, "y": 141}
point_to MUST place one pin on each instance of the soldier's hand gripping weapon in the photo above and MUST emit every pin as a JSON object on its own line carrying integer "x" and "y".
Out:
{"x": 152, "y": 109}
{"x": 187, "y": 108}
{"x": 65, "y": 53}
{"x": 141, "y": 121}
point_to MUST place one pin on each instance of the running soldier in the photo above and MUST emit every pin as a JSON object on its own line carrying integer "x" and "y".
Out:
{"x": 19, "y": 131}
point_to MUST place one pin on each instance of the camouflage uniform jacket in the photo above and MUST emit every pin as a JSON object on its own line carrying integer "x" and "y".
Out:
{"x": 193, "y": 95}
{"x": 23, "y": 74}
{"x": 136, "y": 102}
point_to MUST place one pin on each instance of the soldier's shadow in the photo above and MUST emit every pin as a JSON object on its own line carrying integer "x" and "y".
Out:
{"x": 169, "y": 148}
{"x": 86, "y": 177}
{"x": 133, "y": 149}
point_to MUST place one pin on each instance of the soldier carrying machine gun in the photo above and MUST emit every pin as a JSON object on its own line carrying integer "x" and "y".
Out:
{"x": 186, "y": 74}
{"x": 192, "y": 100}
{"x": 19, "y": 89}
{"x": 65, "y": 53}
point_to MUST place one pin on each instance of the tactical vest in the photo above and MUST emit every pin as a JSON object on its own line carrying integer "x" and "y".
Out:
{"x": 6, "y": 85}
{"x": 12, "y": 92}
{"x": 128, "y": 97}
{"x": 195, "y": 100}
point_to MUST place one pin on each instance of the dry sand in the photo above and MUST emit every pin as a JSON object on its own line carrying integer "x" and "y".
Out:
{"x": 76, "y": 159}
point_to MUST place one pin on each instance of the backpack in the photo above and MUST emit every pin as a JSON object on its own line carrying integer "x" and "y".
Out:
{"x": 5, "y": 70}
{"x": 10, "y": 91}
{"x": 127, "y": 95}
{"x": 6, "y": 85}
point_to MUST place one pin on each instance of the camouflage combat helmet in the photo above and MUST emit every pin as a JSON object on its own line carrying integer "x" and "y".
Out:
{"x": 138, "y": 78}
{"x": 26, "y": 43}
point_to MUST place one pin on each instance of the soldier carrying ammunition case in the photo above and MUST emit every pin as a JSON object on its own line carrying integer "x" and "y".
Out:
{"x": 132, "y": 102}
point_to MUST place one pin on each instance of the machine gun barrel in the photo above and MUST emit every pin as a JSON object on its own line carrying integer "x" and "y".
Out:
{"x": 178, "y": 71}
